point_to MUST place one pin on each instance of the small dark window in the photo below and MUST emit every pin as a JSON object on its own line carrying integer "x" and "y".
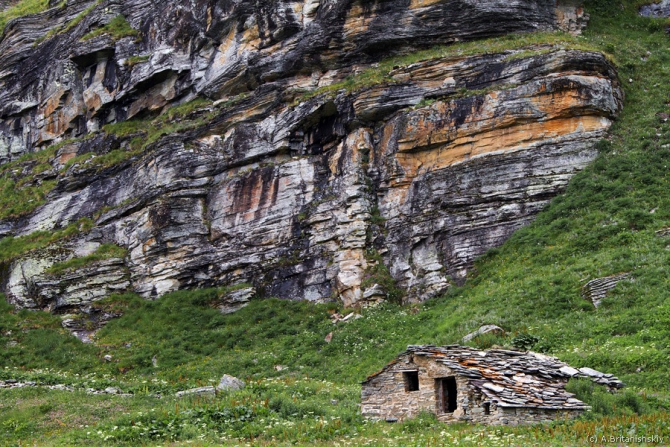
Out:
{"x": 411, "y": 379}
{"x": 487, "y": 407}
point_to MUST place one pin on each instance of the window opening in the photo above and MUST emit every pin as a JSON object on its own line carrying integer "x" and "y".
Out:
{"x": 411, "y": 379}
{"x": 487, "y": 408}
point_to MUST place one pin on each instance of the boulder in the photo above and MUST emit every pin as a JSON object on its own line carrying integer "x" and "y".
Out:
{"x": 230, "y": 383}
{"x": 235, "y": 300}
{"x": 201, "y": 391}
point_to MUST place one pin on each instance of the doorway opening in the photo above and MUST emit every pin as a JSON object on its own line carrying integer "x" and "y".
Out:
{"x": 446, "y": 394}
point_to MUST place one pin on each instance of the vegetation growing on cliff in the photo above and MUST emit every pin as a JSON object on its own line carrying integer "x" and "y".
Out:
{"x": 525, "y": 44}
{"x": 103, "y": 252}
{"x": 12, "y": 247}
{"x": 65, "y": 27}
{"x": 117, "y": 29}
{"x": 21, "y": 187}
{"x": 20, "y": 9}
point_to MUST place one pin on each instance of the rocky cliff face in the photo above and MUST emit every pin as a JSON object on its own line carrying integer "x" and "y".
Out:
{"x": 268, "y": 143}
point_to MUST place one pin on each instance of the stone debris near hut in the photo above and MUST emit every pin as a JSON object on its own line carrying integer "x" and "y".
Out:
{"x": 12, "y": 383}
{"x": 658, "y": 9}
{"x": 457, "y": 383}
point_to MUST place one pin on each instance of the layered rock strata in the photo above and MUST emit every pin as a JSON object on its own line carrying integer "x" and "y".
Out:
{"x": 596, "y": 290}
{"x": 57, "y": 80}
{"x": 297, "y": 179}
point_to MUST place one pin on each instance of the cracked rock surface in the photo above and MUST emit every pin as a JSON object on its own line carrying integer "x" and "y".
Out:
{"x": 282, "y": 180}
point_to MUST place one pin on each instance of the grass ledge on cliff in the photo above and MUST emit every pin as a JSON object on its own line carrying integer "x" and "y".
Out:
{"x": 20, "y": 9}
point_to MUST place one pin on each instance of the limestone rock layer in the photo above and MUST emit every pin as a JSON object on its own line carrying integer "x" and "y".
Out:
{"x": 297, "y": 176}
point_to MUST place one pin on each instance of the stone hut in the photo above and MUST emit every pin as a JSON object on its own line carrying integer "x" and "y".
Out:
{"x": 459, "y": 383}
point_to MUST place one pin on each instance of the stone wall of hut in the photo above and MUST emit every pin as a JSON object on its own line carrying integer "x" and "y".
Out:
{"x": 385, "y": 397}
{"x": 520, "y": 416}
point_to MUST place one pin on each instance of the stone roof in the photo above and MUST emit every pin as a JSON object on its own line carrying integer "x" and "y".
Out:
{"x": 513, "y": 378}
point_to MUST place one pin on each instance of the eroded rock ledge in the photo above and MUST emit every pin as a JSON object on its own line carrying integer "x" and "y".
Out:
{"x": 299, "y": 184}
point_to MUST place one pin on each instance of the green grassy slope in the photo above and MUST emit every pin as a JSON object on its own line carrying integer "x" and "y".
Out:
{"x": 604, "y": 224}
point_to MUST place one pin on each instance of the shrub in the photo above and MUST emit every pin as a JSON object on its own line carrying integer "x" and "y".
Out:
{"x": 524, "y": 341}
{"x": 605, "y": 403}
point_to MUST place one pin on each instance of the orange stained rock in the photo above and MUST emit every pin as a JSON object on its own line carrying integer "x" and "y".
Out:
{"x": 59, "y": 111}
{"x": 357, "y": 21}
{"x": 497, "y": 140}
{"x": 254, "y": 201}
{"x": 155, "y": 98}
{"x": 93, "y": 101}
{"x": 225, "y": 46}
{"x": 54, "y": 102}
{"x": 146, "y": 246}
{"x": 68, "y": 152}
{"x": 250, "y": 197}
{"x": 334, "y": 160}
{"x": 555, "y": 103}
{"x": 423, "y": 3}
{"x": 445, "y": 134}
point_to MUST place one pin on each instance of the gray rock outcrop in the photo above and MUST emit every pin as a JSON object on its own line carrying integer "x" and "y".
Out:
{"x": 236, "y": 300}
{"x": 486, "y": 329}
{"x": 658, "y": 9}
{"x": 310, "y": 170}
{"x": 201, "y": 391}
{"x": 230, "y": 383}
{"x": 596, "y": 290}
